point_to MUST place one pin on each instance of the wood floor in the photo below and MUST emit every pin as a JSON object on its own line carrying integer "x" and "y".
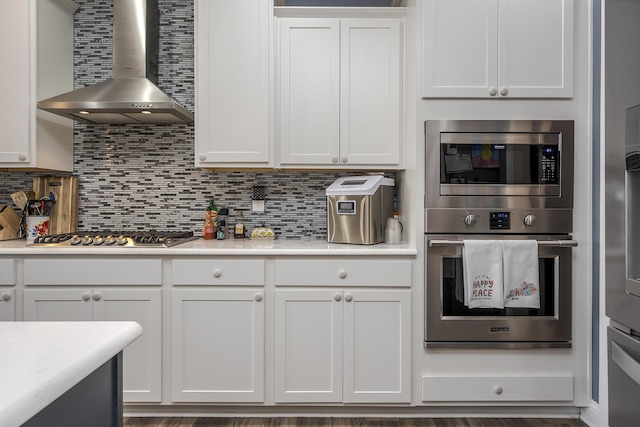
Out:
{"x": 351, "y": 422}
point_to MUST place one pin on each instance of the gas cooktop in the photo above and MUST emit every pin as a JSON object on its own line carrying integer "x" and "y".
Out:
{"x": 160, "y": 239}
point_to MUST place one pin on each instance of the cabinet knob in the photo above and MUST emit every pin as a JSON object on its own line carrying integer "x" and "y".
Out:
{"x": 97, "y": 296}
{"x": 217, "y": 273}
{"x": 497, "y": 389}
{"x": 6, "y": 296}
{"x": 504, "y": 91}
{"x": 86, "y": 296}
{"x": 493, "y": 91}
{"x": 337, "y": 297}
{"x": 344, "y": 159}
{"x": 257, "y": 297}
{"x": 22, "y": 157}
{"x": 334, "y": 159}
{"x": 342, "y": 274}
{"x": 202, "y": 157}
{"x": 348, "y": 297}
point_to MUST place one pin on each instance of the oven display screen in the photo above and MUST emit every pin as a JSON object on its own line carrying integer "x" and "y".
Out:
{"x": 499, "y": 220}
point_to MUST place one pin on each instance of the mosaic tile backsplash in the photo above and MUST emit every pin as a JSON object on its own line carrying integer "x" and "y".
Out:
{"x": 142, "y": 177}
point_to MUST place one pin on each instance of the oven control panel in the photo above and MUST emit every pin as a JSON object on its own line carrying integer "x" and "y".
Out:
{"x": 500, "y": 220}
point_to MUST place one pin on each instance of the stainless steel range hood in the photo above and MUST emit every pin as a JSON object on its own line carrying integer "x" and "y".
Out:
{"x": 131, "y": 95}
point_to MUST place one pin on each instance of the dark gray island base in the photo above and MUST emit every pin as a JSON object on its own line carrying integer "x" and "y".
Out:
{"x": 96, "y": 401}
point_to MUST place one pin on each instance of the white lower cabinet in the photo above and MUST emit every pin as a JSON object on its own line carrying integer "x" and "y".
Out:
{"x": 342, "y": 345}
{"x": 142, "y": 370}
{"x": 7, "y": 305}
{"x": 217, "y": 345}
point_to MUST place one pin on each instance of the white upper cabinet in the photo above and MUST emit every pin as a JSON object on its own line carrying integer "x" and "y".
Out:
{"x": 340, "y": 92}
{"x": 497, "y": 48}
{"x": 36, "y": 47}
{"x": 233, "y": 80}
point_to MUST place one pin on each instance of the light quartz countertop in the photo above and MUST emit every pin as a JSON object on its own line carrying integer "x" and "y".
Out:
{"x": 240, "y": 247}
{"x": 40, "y": 361}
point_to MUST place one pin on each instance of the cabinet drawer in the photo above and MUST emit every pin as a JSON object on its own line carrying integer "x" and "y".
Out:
{"x": 371, "y": 272}
{"x": 7, "y": 272}
{"x": 85, "y": 272}
{"x": 217, "y": 272}
{"x": 467, "y": 388}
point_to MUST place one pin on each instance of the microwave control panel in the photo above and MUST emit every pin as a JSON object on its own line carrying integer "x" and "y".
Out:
{"x": 548, "y": 167}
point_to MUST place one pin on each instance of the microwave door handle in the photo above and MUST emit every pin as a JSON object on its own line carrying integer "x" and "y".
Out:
{"x": 628, "y": 364}
{"x": 553, "y": 243}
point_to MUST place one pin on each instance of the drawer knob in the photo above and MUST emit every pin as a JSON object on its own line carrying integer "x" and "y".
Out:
{"x": 97, "y": 296}
{"x": 348, "y": 297}
{"x": 342, "y": 274}
{"x": 258, "y": 297}
{"x": 337, "y": 297}
{"x": 497, "y": 389}
{"x": 217, "y": 272}
{"x": 493, "y": 91}
{"x": 86, "y": 296}
{"x": 504, "y": 91}
{"x": 6, "y": 296}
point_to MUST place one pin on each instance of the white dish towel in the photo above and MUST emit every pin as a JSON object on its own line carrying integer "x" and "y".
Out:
{"x": 482, "y": 266}
{"x": 521, "y": 287}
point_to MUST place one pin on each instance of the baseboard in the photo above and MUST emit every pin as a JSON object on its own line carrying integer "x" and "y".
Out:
{"x": 591, "y": 415}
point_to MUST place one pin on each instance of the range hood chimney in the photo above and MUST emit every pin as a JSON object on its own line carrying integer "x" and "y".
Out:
{"x": 131, "y": 95}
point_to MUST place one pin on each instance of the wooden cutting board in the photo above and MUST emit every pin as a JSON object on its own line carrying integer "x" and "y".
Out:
{"x": 64, "y": 213}
{"x": 9, "y": 223}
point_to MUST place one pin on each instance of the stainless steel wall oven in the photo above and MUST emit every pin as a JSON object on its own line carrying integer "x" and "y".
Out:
{"x": 498, "y": 180}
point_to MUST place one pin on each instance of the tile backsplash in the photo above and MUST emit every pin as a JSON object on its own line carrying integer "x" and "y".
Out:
{"x": 141, "y": 177}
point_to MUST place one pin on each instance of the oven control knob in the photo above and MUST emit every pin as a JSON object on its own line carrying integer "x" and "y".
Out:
{"x": 121, "y": 241}
{"x": 470, "y": 220}
{"x": 529, "y": 220}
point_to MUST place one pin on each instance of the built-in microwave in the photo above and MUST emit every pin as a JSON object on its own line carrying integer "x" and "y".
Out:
{"x": 476, "y": 167}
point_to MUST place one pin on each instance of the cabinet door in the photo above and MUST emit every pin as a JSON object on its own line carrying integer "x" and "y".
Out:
{"x": 308, "y": 346}
{"x": 460, "y": 48}
{"x": 142, "y": 368}
{"x": 7, "y": 305}
{"x": 377, "y": 337}
{"x": 370, "y": 89}
{"x": 309, "y": 67}
{"x": 232, "y": 82}
{"x": 535, "y": 40}
{"x": 58, "y": 305}
{"x": 14, "y": 82}
{"x": 217, "y": 346}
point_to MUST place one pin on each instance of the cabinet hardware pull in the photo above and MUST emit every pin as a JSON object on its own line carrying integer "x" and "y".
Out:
{"x": 258, "y": 297}
{"x": 493, "y": 91}
{"x": 344, "y": 159}
{"x": 348, "y": 297}
{"x": 342, "y": 274}
{"x": 6, "y": 296}
{"x": 334, "y": 159}
{"x": 497, "y": 389}
{"x": 337, "y": 297}
{"x": 86, "y": 296}
{"x": 504, "y": 91}
{"x": 217, "y": 273}
{"x": 97, "y": 296}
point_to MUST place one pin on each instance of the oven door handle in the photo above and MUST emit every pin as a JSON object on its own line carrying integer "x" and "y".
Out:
{"x": 553, "y": 243}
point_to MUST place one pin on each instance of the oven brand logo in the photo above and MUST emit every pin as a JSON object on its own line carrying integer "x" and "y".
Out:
{"x": 526, "y": 289}
{"x": 482, "y": 287}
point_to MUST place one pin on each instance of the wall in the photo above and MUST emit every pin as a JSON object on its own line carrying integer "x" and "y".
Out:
{"x": 142, "y": 177}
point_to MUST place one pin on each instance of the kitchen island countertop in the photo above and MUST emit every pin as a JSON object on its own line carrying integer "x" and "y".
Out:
{"x": 40, "y": 361}
{"x": 237, "y": 247}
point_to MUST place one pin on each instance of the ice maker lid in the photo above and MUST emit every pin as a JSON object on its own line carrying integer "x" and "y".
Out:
{"x": 365, "y": 185}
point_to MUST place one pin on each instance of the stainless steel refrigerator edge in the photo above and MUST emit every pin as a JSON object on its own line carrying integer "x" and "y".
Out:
{"x": 622, "y": 198}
